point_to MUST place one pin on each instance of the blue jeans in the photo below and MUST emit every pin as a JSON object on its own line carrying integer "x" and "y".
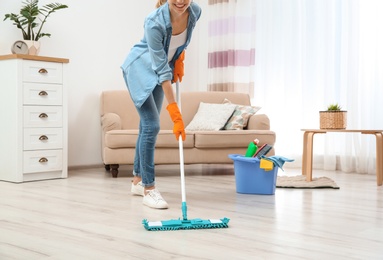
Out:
{"x": 149, "y": 127}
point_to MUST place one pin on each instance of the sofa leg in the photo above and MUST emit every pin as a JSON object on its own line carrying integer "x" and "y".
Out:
{"x": 114, "y": 170}
{"x": 107, "y": 167}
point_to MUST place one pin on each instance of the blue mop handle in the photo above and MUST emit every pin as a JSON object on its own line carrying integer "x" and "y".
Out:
{"x": 181, "y": 149}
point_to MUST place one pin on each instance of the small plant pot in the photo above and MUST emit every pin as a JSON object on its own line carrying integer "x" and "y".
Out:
{"x": 333, "y": 119}
{"x": 34, "y": 47}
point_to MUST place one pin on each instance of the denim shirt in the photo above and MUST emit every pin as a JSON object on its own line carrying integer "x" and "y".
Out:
{"x": 147, "y": 65}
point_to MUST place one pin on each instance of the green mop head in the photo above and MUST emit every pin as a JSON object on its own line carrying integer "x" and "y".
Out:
{"x": 178, "y": 224}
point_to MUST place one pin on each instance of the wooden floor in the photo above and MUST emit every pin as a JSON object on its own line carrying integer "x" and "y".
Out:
{"x": 93, "y": 216}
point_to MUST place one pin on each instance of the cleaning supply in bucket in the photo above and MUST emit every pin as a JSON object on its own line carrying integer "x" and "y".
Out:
{"x": 266, "y": 165}
{"x": 277, "y": 160}
{"x": 262, "y": 151}
{"x": 252, "y": 148}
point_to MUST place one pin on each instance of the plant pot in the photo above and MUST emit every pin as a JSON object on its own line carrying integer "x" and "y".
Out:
{"x": 333, "y": 119}
{"x": 33, "y": 46}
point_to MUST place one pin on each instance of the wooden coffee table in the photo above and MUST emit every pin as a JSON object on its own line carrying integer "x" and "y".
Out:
{"x": 307, "y": 156}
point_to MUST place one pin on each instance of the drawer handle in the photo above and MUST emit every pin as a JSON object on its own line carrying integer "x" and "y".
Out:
{"x": 43, "y": 115}
{"x": 43, "y": 93}
{"x": 43, "y": 71}
{"x": 43, "y": 138}
{"x": 43, "y": 160}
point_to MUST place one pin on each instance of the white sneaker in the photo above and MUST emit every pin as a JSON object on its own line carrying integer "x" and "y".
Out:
{"x": 137, "y": 189}
{"x": 154, "y": 200}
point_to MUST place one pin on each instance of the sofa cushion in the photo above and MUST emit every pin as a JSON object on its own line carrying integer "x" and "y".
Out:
{"x": 127, "y": 139}
{"x": 231, "y": 138}
{"x": 166, "y": 139}
{"x": 240, "y": 117}
{"x": 211, "y": 117}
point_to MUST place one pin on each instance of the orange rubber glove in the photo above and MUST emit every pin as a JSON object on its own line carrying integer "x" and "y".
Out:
{"x": 178, "y": 71}
{"x": 176, "y": 117}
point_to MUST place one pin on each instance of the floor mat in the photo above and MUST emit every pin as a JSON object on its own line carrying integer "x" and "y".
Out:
{"x": 300, "y": 182}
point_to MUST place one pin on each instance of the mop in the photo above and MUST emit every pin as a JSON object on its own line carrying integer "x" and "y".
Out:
{"x": 184, "y": 223}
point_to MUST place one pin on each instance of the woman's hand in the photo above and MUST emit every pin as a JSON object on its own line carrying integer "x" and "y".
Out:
{"x": 178, "y": 71}
{"x": 175, "y": 115}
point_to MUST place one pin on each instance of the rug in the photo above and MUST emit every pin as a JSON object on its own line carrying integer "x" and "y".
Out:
{"x": 300, "y": 182}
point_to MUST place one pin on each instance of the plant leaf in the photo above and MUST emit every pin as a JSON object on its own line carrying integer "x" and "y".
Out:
{"x": 28, "y": 20}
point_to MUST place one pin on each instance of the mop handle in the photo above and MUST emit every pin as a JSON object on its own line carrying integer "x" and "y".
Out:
{"x": 181, "y": 149}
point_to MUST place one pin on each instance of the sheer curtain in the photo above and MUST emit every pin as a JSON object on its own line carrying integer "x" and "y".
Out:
{"x": 231, "y": 45}
{"x": 316, "y": 52}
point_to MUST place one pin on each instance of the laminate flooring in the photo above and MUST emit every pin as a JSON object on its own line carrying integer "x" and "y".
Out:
{"x": 91, "y": 215}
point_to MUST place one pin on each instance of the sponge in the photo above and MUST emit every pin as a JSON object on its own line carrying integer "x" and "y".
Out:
{"x": 266, "y": 165}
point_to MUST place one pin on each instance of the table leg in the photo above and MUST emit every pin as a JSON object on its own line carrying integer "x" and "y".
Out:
{"x": 379, "y": 158}
{"x": 304, "y": 153}
{"x": 307, "y": 156}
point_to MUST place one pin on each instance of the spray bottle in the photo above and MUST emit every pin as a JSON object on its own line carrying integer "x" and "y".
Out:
{"x": 252, "y": 148}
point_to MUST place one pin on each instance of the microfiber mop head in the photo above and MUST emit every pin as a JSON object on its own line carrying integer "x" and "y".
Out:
{"x": 177, "y": 224}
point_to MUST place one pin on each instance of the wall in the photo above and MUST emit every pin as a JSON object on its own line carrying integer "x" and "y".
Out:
{"x": 96, "y": 36}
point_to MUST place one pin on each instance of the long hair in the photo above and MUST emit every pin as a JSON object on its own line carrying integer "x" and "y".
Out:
{"x": 160, "y": 2}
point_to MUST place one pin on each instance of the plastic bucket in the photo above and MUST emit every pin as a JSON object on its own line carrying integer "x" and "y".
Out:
{"x": 250, "y": 178}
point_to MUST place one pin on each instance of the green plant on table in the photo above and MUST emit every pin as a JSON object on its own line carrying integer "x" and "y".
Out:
{"x": 334, "y": 107}
{"x": 31, "y": 18}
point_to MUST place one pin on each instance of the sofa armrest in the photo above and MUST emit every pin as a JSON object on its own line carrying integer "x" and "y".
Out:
{"x": 258, "y": 122}
{"x": 110, "y": 121}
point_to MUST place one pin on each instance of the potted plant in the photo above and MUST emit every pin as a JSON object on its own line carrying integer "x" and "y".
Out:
{"x": 333, "y": 118}
{"x": 31, "y": 20}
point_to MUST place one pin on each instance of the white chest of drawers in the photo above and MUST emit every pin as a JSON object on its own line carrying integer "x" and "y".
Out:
{"x": 33, "y": 121}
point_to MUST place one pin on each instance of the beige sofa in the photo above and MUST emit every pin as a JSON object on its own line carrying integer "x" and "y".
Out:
{"x": 119, "y": 122}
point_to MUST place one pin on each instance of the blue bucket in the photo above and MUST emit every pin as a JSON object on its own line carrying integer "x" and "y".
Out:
{"x": 250, "y": 178}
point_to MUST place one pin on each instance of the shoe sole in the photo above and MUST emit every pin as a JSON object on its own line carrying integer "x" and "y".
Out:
{"x": 150, "y": 206}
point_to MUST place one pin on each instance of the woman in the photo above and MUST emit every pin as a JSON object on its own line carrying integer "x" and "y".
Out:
{"x": 149, "y": 70}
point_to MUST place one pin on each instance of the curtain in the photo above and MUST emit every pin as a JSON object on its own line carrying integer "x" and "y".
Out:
{"x": 311, "y": 53}
{"x": 231, "y": 57}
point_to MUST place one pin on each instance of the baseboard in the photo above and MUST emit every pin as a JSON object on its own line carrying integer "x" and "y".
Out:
{"x": 84, "y": 167}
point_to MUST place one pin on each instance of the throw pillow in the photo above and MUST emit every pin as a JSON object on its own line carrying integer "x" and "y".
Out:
{"x": 211, "y": 117}
{"x": 240, "y": 117}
